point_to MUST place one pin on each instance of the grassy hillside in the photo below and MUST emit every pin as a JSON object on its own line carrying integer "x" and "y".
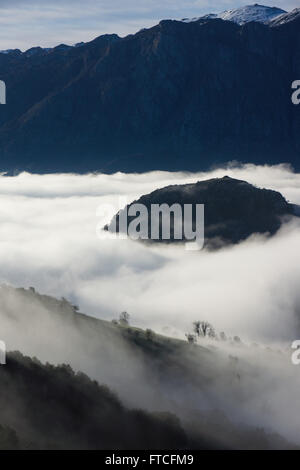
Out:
{"x": 191, "y": 395}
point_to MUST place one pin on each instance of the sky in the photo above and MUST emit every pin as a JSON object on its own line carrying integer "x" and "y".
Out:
{"x": 28, "y": 23}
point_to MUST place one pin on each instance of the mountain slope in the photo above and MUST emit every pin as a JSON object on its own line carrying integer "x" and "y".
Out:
{"x": 287, "y": 18}
{"x": 176, "y": 96}
{"x": 54, "y": 407}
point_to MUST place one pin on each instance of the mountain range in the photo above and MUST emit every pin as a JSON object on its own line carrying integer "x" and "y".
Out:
{"x": 182, "y": 95}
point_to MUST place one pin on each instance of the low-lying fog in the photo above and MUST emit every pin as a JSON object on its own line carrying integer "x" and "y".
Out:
{"x": 49, "y": 240}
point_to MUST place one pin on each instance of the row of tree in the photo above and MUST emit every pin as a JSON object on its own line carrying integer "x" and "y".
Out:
{"x": 203, "y": 329}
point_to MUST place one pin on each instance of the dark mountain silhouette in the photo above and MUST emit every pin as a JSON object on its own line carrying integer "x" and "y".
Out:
{"x": 180, "y": 95}
{"x": 234, "y": 209}
{"x": 54, "y": 408}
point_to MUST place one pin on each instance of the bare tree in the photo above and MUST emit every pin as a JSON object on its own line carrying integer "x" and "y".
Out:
{"x": 124, "y": 319}
{"x": 196, "y": 327}
{"x": 191, "y": 338}
{"x": 149, "y": 334}
{"x": 204, "y": 329}
{"x": 211, "y": 333}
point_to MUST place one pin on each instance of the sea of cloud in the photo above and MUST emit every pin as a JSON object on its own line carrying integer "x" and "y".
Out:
{"x": 49, "y": 223}
{"x": 49, "y": 239}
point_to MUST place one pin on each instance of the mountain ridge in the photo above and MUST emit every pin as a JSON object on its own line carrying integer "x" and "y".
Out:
{"x": 177, "y": 96}
{"x": 246, "y": 14}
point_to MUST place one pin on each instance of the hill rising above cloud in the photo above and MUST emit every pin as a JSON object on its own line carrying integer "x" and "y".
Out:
{"x": 234, "y": 209}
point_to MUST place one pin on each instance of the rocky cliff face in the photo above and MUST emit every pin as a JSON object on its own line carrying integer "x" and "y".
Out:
{"x": 176, "y": 96}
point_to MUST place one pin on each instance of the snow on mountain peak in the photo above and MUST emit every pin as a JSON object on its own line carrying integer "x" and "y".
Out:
{"x": 258, "y": 13}
{"x": 286, "y": 17}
